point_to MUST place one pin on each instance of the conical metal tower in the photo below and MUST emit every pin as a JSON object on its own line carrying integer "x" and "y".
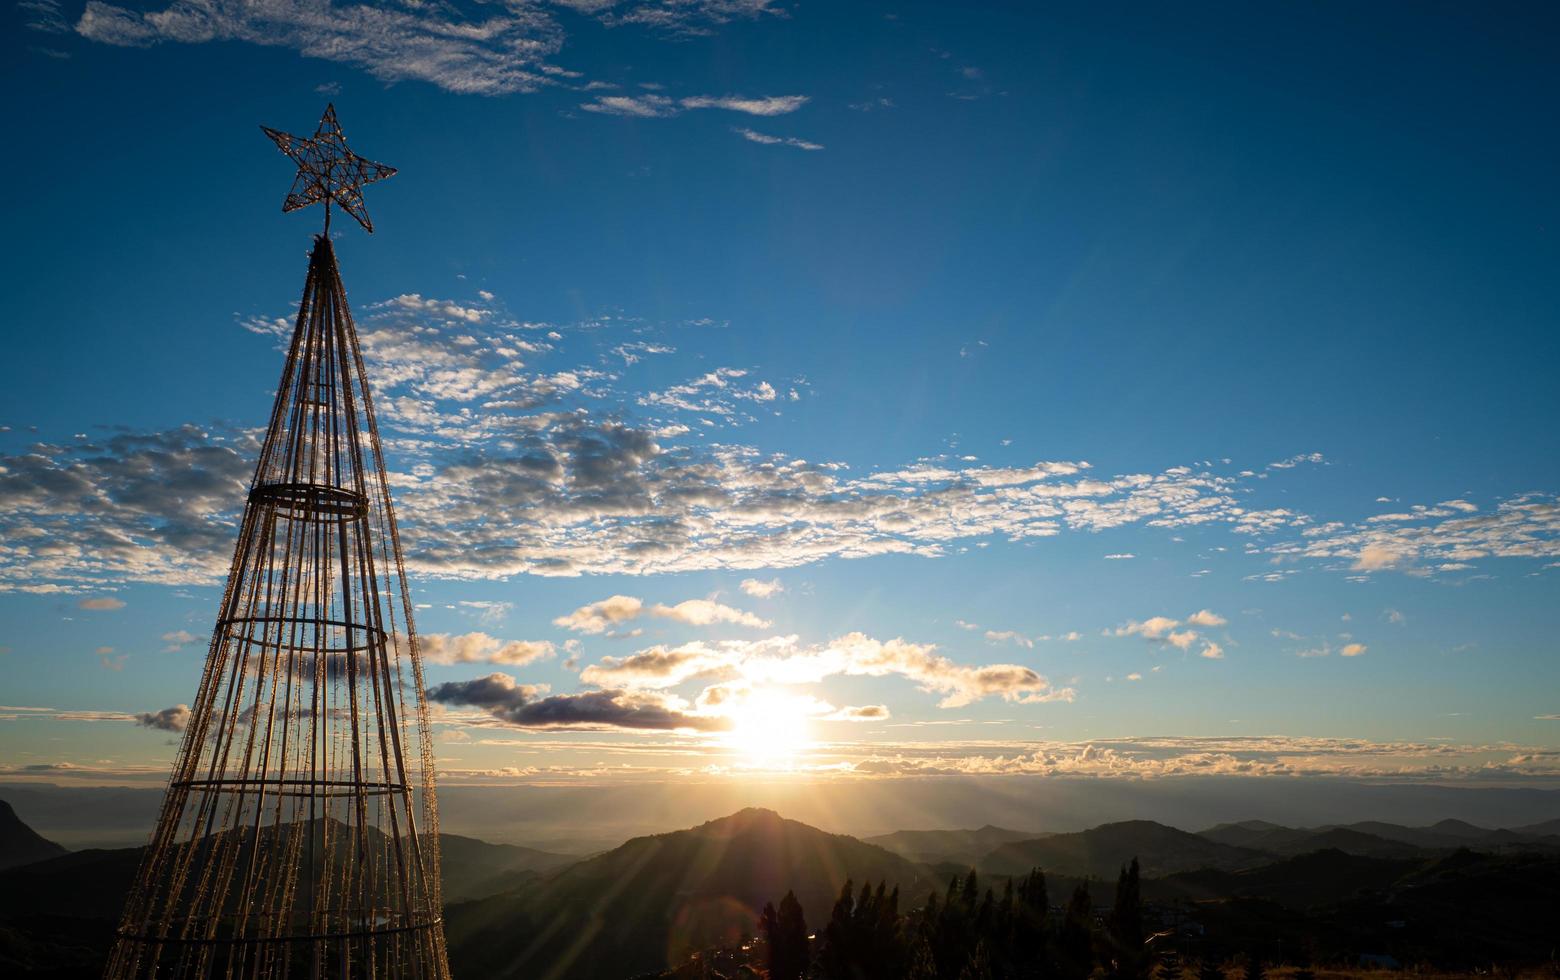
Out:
{"x": 299, "y": 834}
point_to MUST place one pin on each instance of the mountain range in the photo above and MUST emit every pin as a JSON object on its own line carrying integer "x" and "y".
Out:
{"x": 519, "y": 912}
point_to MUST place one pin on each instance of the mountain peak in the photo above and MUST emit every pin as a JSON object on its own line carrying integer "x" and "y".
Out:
{"x": 1135, "y": 826}
{"x": 743, "y": 821}
{"x": 19, "y": 843}
{"x": 614, "y": 914}
{"x": 1457, "y": 828}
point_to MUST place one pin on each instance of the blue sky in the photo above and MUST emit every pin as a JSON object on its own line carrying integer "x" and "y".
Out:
{"x": 841, "y": 299}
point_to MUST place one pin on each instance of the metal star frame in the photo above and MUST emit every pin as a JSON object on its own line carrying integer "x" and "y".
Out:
{"x": 328, "y": 170}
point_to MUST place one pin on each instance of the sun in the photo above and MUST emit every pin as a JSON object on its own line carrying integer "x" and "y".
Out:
{"x": 770, "y": 729}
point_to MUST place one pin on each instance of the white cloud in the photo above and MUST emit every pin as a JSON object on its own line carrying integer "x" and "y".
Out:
{"x": 177, "y": 639}
{"x": 649, "y": 106}
{"x": 1422, "y": 540}
{"x": 760, "y": 589}
{"x": 1212, "y": 651}
{"x": 753, "y": 136}
{"x": 769, "y": 105}
{"x": 706, "y": 612}
{"x": 1182, "y": 639}
{"x": 446, "y": 648}
{"x": 487, "y": 610}
{"x": 652, "y": 105}
{"x": 505, "y": 51}
{"x": 599, "y": 617}
{"x": 1293, "y": 461}
{"x": 1009, "y": 636}
{"x": 1153, "y": 628}
{"x": 1352, "y": 650}
{"x": 492, "y": 49}
{"x": 865, "y": 712}
{"x": 662, "y": 667}
{"x": 782, "y": 660}
{"x": 1167, "y": 630}
{"x": 504, "y": 464}
{"x": 1257, "y": 756}
{"x": 719, "y": 393}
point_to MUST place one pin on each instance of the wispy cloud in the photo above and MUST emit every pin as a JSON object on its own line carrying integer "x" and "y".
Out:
{"x": 768, "y": 105}
{"x": 609, "y": 613}
{"x": 653, "y": 105}
{"x": 677, "y": 17}
{"x": 482, "y": 49}
{"x": 650, "y": 106}
{"x": 1434, "y": 540}
{"x": 872, "y": 105}
{"x": 45, "y": 16}
{"x": 1009, "y": 636}
{"x": 178, "y": 639}
{"x": 499, "y": 50}
{"x": 753, "y": 136}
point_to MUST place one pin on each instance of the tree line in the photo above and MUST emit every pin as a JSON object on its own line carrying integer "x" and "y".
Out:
{"x": 968, "y": 933}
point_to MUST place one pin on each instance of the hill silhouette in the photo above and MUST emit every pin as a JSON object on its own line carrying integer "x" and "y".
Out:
{"x": 1309, "y": 881}
{"x": 92, "y": 883}
{"x": 1102, "y": 851}
{"x": 1379, "y": 839}
{"x": 964, "y": 847}
{"x": 646, "y": 904}
{"x": 19, "y": 843}
{"x": 472, "y": 868}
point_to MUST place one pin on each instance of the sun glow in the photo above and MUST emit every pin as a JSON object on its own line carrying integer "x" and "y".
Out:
{"x": 770, "y": 729}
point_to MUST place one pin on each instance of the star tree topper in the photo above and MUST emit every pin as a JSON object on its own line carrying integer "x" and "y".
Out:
{"x": 328, "y": 171}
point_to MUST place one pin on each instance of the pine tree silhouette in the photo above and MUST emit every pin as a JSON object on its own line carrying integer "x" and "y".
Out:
{"x": 1030, "y": 941}
{"x": 1130, "y": 959}
{"x": 1075, "y": 939}
{"x": 785, "y": 932}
